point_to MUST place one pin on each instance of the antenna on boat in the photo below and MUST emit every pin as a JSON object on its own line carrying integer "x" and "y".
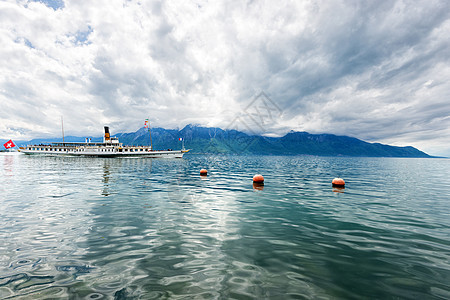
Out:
{"x": 62, "y": 128}
{"x": 182, "y": 143}
{"x": 151, "y": 143}
{"x": 147, "y": 125}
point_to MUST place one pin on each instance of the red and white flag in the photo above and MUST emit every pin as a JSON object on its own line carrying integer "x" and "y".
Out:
{"x": 9, "y": 144}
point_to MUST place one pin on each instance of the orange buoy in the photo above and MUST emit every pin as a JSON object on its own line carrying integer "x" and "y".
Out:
{"x": 203, "y": 172}
{"x": 258, "y": 178}
{"x": 338, "y": 182}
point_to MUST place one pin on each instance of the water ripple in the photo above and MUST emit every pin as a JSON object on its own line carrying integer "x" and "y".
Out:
{"x": 150, "y": 229}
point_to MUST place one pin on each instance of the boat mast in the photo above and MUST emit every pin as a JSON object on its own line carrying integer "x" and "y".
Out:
{"x": 150, "y": 133}
{"x": 62, "y": 128}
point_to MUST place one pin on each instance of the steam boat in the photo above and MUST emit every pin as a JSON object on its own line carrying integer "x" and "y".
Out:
{"x": 111, "y": 147}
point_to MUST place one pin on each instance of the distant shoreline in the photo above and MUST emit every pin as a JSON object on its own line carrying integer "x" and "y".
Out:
{"x": 207, "y": 140}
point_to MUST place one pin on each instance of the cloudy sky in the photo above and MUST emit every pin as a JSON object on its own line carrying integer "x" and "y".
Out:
{"x": 375, "y": 70}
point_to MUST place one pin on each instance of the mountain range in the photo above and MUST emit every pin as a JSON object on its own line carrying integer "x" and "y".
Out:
{"x": 218, "y": 141}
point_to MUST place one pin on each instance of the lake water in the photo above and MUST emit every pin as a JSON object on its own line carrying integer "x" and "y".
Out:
{"x": 98, "y": 228}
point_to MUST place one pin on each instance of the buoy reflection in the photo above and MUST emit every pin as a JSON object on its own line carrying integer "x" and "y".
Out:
{"x": 338, "y": 189}
{"x": 258, "y": 186}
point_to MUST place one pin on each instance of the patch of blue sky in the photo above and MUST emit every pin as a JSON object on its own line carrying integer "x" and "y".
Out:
{"x": 55, "y": 4}
{"x": 24, "y": 41}
{"x": 28, "y": 43}
{"x": 81, "y": 37}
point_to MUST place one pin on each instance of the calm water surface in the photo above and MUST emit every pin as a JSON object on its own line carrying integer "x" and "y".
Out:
{"x": 98, "y": 228}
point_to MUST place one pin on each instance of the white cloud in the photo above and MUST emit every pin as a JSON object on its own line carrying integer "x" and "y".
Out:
{"x": 377, "y": 71}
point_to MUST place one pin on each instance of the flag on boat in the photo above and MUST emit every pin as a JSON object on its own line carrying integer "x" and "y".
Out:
{"x": 146, "y": 123}
{"x": 9, "y": 144}
{"x": 180, "y": 139}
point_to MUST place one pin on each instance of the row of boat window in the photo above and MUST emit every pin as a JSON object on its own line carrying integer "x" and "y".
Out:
{"x": 101, "y": 150}
{"x": 48, "y": 149}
